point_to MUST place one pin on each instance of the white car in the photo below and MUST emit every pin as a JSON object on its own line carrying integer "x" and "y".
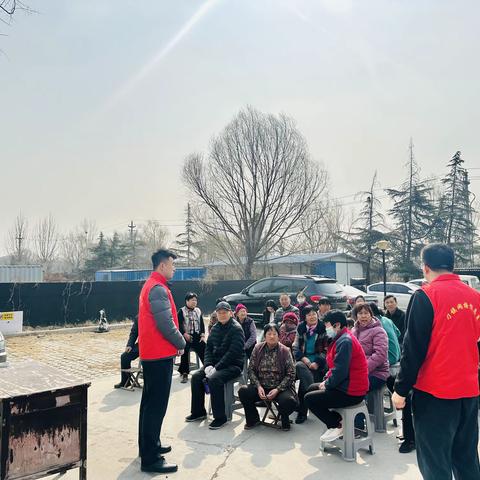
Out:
{"x": 401, "y": 291}
{"x": 470, "y": 280}
{"x": 352, "y": 293}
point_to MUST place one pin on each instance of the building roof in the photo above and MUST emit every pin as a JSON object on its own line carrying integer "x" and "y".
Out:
{"x": 290, "y": 259}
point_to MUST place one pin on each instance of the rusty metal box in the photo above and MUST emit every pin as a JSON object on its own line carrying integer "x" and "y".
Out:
{"x": 43, "y": 422}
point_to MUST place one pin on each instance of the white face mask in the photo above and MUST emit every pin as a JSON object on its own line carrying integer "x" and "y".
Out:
{"x": 301, "y": 299}
{"x": 331, "y": 333}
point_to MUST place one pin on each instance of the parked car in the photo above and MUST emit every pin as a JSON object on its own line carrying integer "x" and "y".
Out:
{"x": 352, "y": 293}
{"x": 255, "y": 295}
{"x": 402, "y": 292}
{"x": 470, "y": 280}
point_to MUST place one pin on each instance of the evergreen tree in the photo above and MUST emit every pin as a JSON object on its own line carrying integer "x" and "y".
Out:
{"x": 366, "y": 229}
{"x": 455, "y": 214}
{"x": 187, "y": 243}
{"x": 413, "y": 213}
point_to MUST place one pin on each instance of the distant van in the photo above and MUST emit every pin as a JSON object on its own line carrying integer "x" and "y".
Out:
{"x": 470, "y": 280}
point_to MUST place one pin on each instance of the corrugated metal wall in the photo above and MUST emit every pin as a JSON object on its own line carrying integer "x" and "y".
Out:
{"x": 21, "y": 273}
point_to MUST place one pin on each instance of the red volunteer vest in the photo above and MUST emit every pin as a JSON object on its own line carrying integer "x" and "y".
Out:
{"x": 152, "y": 344}
{"x": 450, "y": 369}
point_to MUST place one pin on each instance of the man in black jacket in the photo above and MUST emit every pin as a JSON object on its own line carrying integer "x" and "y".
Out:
{"x": 224, "y": 357}
{"x": 396, "y": 315}
{"x": 130, "y": 354}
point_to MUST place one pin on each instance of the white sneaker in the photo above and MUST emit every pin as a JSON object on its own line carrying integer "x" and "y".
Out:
{"x": 332, "y": 434}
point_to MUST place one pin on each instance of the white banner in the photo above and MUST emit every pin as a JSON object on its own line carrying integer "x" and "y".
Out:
{"x": 11, "y": 322}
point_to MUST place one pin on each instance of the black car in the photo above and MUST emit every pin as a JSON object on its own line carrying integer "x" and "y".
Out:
{"x": 255, "y": 295}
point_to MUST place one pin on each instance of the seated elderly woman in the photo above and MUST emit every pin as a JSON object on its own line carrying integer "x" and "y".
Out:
{"x": 248, "y": 326}
{"x": 374, "y": 341}
{"x": 288, "y": 329}
{"x": 309, "y": 349}
{"x": 272, "y": 377}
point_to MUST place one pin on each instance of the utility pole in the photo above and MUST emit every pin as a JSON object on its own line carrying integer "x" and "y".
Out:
{"x": 19, "y": 240}
{"x": 189, "y": 237}
{"x": 132, "y": 227}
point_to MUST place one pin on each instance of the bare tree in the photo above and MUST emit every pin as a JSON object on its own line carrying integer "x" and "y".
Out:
{"x": 45, "y": 241}
{"x": 150, "y": 237}
{"x": 257, "y": 181}
{"x": 16, "y": 241}
{"x": 76, "y": 244}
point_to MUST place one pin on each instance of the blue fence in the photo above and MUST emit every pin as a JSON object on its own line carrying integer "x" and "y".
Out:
{"x": 181, "y": 273}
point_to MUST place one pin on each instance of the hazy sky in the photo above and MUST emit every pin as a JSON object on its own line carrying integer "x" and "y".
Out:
{"x": 100, "y": 101}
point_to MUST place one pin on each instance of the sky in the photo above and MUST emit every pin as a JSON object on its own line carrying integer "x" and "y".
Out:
{"x": 101, "y": 101}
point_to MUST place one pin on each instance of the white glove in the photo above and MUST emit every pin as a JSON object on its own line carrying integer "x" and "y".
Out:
{"x": 209, "y": 371}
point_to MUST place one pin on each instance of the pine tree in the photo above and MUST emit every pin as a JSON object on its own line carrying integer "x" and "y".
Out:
{"x": 413, "y": 213}
{"x": 366, "y": 230}
{"x": 187, "y": 243}
{"x": 455, "y": 214}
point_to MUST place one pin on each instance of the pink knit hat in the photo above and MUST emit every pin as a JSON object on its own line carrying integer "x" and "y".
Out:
{"x": 290, "y": 317}
{"x": 239, "y": 307}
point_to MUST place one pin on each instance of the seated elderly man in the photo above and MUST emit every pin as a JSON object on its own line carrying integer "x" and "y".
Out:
{"x": 224, "y": 356}
{"x": 272, "y": 377}
{"x": 309, "y": 349}
{"x": 130, "y": 354}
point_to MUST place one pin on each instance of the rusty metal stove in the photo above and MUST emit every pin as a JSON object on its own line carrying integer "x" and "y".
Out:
{"x": 43, "y": 422}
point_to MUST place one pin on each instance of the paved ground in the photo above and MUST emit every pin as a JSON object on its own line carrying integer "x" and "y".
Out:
{"x": 230, "y": 453}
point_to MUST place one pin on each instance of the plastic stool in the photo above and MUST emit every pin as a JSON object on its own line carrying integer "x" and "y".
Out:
{"x": 348, "y": 444}
{"x": 229, "y": 398}
{"x": 376, "y": 407}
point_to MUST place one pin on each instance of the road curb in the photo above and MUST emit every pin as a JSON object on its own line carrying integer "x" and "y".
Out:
{"x": 62, "y": 331}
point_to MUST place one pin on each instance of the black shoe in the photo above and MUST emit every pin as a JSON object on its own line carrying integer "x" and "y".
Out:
{"x": 196, "y": 418}
{"x": 118, "y": 385}
{"x": 407, "y": 447}
{"x": 160, "y": 466}
{"x": 184, "y": 378}
{"x": 249, "y": 426}
{"x": 300, "y": 418}
{"x": 164, "y": 449}
{"x": 216, "y": 424}
{"x": 285, "y": 423}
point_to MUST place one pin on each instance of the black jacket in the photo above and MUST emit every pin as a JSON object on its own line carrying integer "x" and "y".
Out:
{"x": 132, "y": 339}
{"x": 398, "y": 318}
{"x": 321, "y": 343}
{"x": 225, "y": 346}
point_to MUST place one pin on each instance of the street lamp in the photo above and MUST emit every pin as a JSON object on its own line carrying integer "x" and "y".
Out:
{"x": 384, "y": 245}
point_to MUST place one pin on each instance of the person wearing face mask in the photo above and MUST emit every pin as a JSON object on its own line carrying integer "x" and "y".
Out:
{"x": 302, "y": 304}
{"x": 346, "y": 382}
{"x": 309, "y": 349}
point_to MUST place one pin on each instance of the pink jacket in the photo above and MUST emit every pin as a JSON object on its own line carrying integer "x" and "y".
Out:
{"x": 374, "y": 341}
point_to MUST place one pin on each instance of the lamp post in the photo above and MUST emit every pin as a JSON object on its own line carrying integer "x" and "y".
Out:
{"x": 384, "y": 245}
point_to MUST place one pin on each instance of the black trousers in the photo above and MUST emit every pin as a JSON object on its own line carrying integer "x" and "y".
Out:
{"x": 407, "y": 419}
{"x": 306, "y": 377}
{"x": 446, "y": 437}
{"x": 197, "y": 346}
{"x": 215, "y": 383}
{"x": 248, "y": 395}
{"x": 320, "y": 403}
{"x": 126, "y": 360}
{"x": 157, "y": 380}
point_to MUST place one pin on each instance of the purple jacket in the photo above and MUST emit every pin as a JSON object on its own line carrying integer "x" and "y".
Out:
{"x": 374, "y": 341}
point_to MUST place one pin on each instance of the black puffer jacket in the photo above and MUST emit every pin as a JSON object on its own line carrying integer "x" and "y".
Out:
{"x": 225, "y": 346}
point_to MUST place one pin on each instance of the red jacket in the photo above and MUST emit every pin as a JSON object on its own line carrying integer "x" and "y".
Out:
{"x": 347, "y": 365}
{"x": 152, "y": 342}
{"x": 450, "y": 368}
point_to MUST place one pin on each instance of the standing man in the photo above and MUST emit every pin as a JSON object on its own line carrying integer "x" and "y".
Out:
{"x": 440, "y": 362}
{"x": 160, "y": 342}
{"x": 396, "y": 315}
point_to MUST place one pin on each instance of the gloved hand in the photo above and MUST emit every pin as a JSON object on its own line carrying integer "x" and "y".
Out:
{"x": 209, "y": 371}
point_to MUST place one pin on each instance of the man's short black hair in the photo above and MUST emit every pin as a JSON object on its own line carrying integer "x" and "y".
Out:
{"x": 190, "y": 295}
{"x": 271, "y": 326}
{"x": 325, "y": 301}
{"x": 161, "y": 256}
{"x": 308, "y": 309}
{"x": 438, "y": 256}
{"x": 390, "y": 296}
{"x": 335, "y": 316}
